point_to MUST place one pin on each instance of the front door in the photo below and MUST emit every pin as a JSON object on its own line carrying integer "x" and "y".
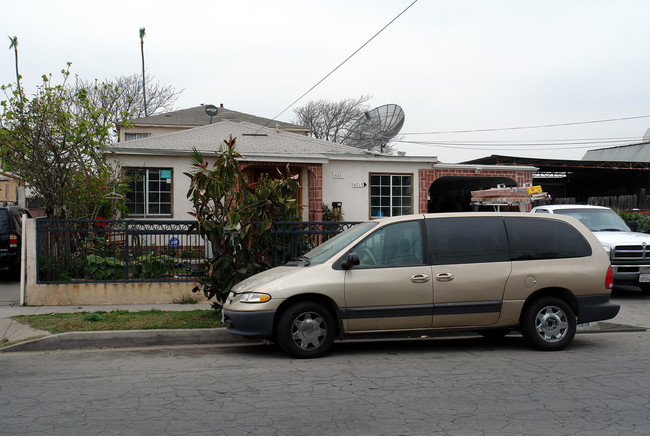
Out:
{"x": 391, "y": 289}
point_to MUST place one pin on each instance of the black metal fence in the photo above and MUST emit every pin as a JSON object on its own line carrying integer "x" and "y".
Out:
{"x": 138, "y": 250}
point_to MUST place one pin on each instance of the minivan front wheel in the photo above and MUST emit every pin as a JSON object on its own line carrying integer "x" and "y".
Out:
{"x": 306, "y": 330}
{"x": 548, "y": 324}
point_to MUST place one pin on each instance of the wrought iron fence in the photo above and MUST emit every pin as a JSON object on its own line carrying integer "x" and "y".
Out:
{"x": 138, "y": 250}
{"x": 291, "y": 238}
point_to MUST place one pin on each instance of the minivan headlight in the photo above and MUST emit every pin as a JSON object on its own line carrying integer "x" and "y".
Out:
{"x": 254, "y": 297}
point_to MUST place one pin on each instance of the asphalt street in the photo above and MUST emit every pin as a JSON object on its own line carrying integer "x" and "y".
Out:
{"x": 600, "y": 385}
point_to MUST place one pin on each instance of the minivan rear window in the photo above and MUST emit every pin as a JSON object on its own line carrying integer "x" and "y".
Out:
{"x": 536, "y": 238}
{"x": 467, "y": 240}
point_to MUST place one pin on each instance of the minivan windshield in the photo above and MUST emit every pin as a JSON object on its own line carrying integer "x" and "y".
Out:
{"x": 597, "y": 220}
{"x": 329, "y": 248}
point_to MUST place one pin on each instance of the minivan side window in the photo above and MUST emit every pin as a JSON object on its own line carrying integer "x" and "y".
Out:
{"x": 535, "y": 238}
{"x": 467, "y": 240}
{"x": 398, "y": 244}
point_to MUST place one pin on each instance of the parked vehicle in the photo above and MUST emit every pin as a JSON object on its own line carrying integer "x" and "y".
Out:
{"x": 11, "y": 236}
{"x": 629, "y": 251}
{"x": 487, "y": 272}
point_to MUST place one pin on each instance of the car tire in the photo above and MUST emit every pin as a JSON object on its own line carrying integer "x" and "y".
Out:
{"x": 548, "y": 324}
{"x": 645, "y": 289}
{"x": 306, "y": 330}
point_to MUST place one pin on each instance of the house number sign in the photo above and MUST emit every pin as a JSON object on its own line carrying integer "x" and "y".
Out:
{"x": 338, "y": 175}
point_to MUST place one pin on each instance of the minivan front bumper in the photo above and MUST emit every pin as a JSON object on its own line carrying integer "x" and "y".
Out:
{"x": 258, "y": 324}
{"x": 595, "y": 308}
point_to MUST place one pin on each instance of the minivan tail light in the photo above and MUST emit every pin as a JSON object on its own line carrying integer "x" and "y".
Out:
{"x": 609, "y": 279}
{"x": 13, "y": 241}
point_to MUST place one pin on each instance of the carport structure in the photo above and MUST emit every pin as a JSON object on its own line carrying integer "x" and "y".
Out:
{"x": 581, "y": 180}
{"x": 447, "y": 187}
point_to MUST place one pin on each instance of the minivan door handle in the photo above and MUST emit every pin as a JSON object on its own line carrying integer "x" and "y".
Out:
{"x": 419, "y": 278}
{"x": 444, "y": 277}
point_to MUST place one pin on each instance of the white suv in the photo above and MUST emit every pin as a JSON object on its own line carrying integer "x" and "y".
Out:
{"x": 629, "y": 252}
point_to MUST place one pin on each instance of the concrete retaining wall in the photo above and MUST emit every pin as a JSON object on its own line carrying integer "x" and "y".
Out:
{"x": 71, "y": 294}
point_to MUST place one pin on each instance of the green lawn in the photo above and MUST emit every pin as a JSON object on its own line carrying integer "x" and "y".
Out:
{"x": 122, "y": 320}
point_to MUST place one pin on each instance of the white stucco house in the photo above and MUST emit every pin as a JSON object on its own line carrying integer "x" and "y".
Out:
{"x": 365, "y": 184}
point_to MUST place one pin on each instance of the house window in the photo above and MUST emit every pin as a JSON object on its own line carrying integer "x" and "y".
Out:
{"x": 132, "y": 136}
{"x": 150, "y": 192}
{"x": 391, "y": 195}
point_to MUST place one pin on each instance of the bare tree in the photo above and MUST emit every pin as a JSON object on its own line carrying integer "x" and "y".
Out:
{"x": 122, "y": 97}
{"x": 331, "y": 120}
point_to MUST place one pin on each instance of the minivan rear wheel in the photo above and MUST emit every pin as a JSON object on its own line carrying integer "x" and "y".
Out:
{"x": 306, "y": 330}
{"x": 548, "y": 324}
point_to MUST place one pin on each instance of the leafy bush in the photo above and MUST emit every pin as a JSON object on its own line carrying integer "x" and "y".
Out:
{"x": 94, "y": 317}
{"x": 155, "y": 266}
{"x": 642, "y": 220}
{"x": 187, "y": 299}
{"x": 192, "y": 253}
{"x": 236, "y": 216}
{"x": 333, "y": 214}
{"x": 103, "y": 268}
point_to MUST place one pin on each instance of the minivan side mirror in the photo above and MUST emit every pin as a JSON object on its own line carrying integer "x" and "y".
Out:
{"x": 633, "y": 225}
{"x": 352, "y": 260}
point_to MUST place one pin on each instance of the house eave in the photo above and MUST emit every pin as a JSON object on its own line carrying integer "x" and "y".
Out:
{"x": 442, "y": 166}
{"x": 208, "y": 153}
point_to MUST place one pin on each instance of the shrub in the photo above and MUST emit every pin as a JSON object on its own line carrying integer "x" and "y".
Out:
{"x": 103, "y": 268}
{"x": 236, "y": 217}
{"x": 155, "y": 266}
{"x": 642, "y": 220}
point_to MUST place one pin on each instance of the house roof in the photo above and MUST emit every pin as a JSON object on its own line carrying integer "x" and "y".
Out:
{"x": 252, "y": 141}
{"x": 196, "y": 116}
{"x": 630, "y": 153}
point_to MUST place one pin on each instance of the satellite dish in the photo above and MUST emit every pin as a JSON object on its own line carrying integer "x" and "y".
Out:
{"x": 212, "y": 111}
{"x": 375, "y": 128}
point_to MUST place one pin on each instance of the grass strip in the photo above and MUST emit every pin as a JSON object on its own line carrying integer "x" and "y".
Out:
{"x": 122, "y": 320}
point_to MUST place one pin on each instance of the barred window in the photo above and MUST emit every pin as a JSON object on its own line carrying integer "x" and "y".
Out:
{"x": 150, "y": 192}
{"x": 391, "y": 195}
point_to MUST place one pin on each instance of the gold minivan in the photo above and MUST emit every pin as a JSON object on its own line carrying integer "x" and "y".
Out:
{"x": 488, "y": 272}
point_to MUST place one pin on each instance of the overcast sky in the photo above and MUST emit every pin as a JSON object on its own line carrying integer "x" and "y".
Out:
{"x": 450, "y": 64}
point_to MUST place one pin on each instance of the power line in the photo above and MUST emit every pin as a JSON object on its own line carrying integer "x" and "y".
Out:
{"x": 340, "y": 65}
{"x": 507, "y": 147}
{"x": 539, "y": 126}
{"x": 527, "y": 143}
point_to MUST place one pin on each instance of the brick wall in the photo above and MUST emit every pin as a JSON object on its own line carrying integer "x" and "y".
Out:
{"x": 428, "y": 176}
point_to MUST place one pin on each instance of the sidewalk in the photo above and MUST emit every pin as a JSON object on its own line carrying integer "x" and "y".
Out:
{"x": 633, "y": 316}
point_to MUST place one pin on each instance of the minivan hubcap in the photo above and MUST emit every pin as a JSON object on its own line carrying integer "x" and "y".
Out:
{"x": 551, "y": 324}
{"x": 308, "y": 330}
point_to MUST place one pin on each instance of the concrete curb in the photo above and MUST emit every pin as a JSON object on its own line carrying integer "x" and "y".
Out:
{"x": 217, "y": 336}
{"x": 126, "y": 339}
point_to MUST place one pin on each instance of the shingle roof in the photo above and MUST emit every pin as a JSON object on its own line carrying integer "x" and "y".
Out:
{"x": 251, "y": 141}
{"x": 196, "y": 116}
